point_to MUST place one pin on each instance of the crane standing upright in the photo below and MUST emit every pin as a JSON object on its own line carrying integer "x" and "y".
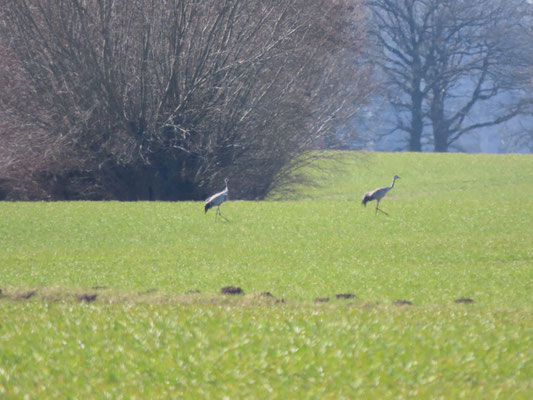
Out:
{"x": 216, "y": 200}
{"x": 378, "y": 194}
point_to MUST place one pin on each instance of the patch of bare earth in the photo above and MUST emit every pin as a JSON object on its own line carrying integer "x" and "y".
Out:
{"x": 466, "y": 300}
{"x": 26, "y": 295}
{"x": 233, "y": 296}
{"x": 403, "y": 303}
{"x": 87, "y": 297}
{"x": 345, "y": 296}
{"x": 269, "y": 298}
{"x": 231, "y": 290}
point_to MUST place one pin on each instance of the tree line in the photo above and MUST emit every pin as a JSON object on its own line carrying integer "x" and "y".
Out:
{"x": 442, "y": 59}
{"x": 145, "y": 100}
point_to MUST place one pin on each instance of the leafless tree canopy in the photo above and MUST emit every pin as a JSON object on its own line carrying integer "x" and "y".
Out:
{"x": 143, "y": 99}
{"x": 444, "y": 58}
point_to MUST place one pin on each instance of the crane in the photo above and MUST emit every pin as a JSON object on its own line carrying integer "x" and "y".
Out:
{"x": 378, "y": 194}
{"x": 217, "y": 199}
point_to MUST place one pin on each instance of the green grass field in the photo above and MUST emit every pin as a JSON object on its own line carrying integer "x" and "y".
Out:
{"x": 459, "y": 226}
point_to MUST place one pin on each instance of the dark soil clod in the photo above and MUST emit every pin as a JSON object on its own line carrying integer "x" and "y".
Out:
{"x": 280, "y": 301}
{"x": 267, "y": 294}
{"x": 87, "y": 297}
{"x": 403, "y": 303}
{"x": 28, "y": 294}
{"x": 321, "y": 300}
{"x": 463, "y": 300}
{"x": 231, "y": 290}
{"x": 346, "y": 296}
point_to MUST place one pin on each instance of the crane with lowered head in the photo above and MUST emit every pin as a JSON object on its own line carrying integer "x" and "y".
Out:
{"x": 216, "y": 200}
{"x": 378, "y": 194}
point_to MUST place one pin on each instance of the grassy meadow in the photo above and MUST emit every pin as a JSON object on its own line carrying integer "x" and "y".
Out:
{"x": 459, "y": 226}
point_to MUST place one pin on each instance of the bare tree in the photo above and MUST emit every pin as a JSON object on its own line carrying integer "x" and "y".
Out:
{"x": 138, "y": 99}
{"x": 447, "y": 58}
{"x": 20, "y": 155}
{"x": 521, "y": 139}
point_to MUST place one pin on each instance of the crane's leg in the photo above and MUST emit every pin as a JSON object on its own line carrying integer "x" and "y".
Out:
{"x": 379, "y": 209}
{"x": 219, "y": 213}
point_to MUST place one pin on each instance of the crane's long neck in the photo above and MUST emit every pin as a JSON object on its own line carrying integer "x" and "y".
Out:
{"x": 393, "y": 180}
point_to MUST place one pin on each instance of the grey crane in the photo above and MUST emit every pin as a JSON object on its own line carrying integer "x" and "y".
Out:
{"x": 217, "y": 199}
{"x": 378, "y": 194}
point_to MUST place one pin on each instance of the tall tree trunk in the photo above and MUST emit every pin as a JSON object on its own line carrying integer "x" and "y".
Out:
{"x": 417, "y": 123}
{"x": 441, "y": 131}
{"x": 441, "y": 143}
